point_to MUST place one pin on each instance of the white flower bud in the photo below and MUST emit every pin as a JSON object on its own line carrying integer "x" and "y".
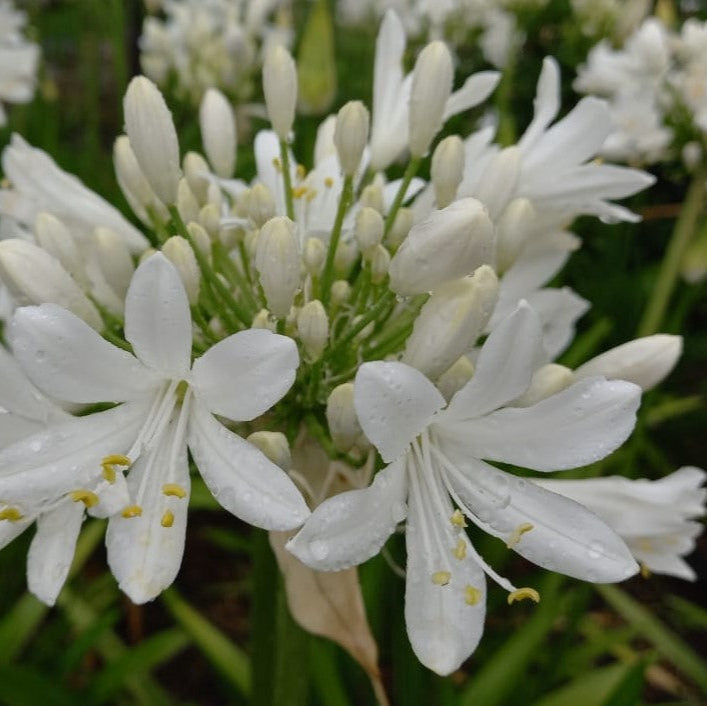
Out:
{"x": 455, "y": 377}
{"x": 546, "y": 381}
{"x": 33, "y": 276}
{"x": 447, "y": 169}
{"x": 178, "y": 251}
{"x": 402, "y": 224}
{"x": 643, "y": 361}
{"x": 153, "y": 137}
{"x": 450, "y": 322}
{"x": 344, "y": 258}
{"x": 351, "y": 135}
{"x": 340, "y": 292}
{"x": 196, "y": 172}
{"x": 56, "y": 239}
{"x": 259, "y": 204}
{"x": 214, "y": 196}
{"x": 210, "y": 218}
{"x": 369, "y": 229}
{"x": 372, "y": 195}
{"x": 313, "y": 328}
{"x": 380, "y": 264}
{"x": 113, "y": 256}
{"x": 218, "y": 132}
{"x": 135, "y": 187}
{"x": 201, "y": 238}
{"x": 263, "y": 320}
{"x": 341, "y": 417}
{"x": 449, "y": 244}
{"x": 277, "y": 259}
{"x": 187, "y": 205}
{"x": 512, "y": 231}
{"x": 431, "y": 88}
{"x": 280, "y": 89}
{"x": 499, "y": 182}
{"x": 274, "y": 445}
{"x": 366, "y": 331}
{"x": 313, "y": 256}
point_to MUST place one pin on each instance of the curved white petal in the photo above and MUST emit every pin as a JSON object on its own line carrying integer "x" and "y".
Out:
{"x": 68, "y": 360}
{"x": 52, "y": 550}
{"x": 349, "y": 528}
{"x": 394, "y": 403}
{"x": 504, "y": 368}
{"x": 476, "y": 89}
{"x": 565, "y": 536}
{"x": 241, "y": 478}
{"x": 245, "y": 374}
{"x": 444, "y": 629}
{"x": 11, "y": 530}
{"x": 145, "y": 552}
{"x": 546, "y": 103}
{"x": 575, "y": 427}
{"x": 157, "y": 317}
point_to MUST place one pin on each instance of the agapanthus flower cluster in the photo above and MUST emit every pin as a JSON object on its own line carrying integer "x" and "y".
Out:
{"x": 19, "y": 59}
{"x": 404, "y": 320}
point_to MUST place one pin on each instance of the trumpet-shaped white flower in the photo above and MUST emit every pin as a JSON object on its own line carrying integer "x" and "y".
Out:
{"x": 436, "y": 454}
{"x": 656, "y": 519}
{"x": 167, "y": 404}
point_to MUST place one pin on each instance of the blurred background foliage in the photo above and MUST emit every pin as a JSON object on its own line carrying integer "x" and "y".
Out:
{"x": 212, "y": 640}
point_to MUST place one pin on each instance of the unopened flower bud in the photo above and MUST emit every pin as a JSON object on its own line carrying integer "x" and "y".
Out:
{"x": 401, "y": 227}
{"x": 277, "y": 259}
{"x": 449, "y": 244}
{"x": 546, "y": 381}
{"x": 263, "y": 320}
{"x": 351, "y": 135}
{"x": 274, "y": 445}
{"x": 153, "y": 137}
{"x": 56, "y": 239}
{"x": 455, "y": 377}
{"x": 313, "y": 256}
{"x": 341, "y": 417}
{"x": 313, "y": 328}
{"x": 218, "y": 132}
{"x": 512, "y": 230}
{"x": 368, "y": 229}
{"x": 344, "y": 258}
{"x": 447, "y": 169}
{"x": 259, "y": 204}
{"x": 340, "y": 292}
{"x": 33, "y": 276}
{"x": 178, "y": 251}
{"x": 380, "y": 264}
{"x": 214, "y": 196}
{"x": 210, "y": 218}
{"x": 450, "y": 321}
{"x": 196, "y": 171}
{"x": 114, "y": 258}
{"x": 372, "y": 195}
{"x": 431, "y": 88}
{"x": 499, "y": 182}
{"x": 187, "y": 205}
{"x": 280, "y": 89}
{"x": 200, "y": 238}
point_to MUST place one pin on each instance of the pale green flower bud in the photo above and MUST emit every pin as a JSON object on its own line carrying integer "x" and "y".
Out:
{"x": 187, "y": 205}
{"x": 372, "y": 195}
{"x": 113, "y": 256}
{"x": 33, "y": 276}
{"x": 401, "y": 227}
{"x": 259, "y": 204}
{"x": 344, "y": 258}
{"x": 341, "y": 417}
{"x": 547, "y": 381}
{"x": 447, "y": 169}
{"x": 351, "y": 135}
{"x": 368, "y": 230}
{"x": 431, "y": 87}
{"x": 263, "y": 320}
{"x": 214, "y": 197}
{"x": 280, "y": 89}
{"x": 274, "y": 445}
{"x": 313, "y": 256}
{"x": 512, "y": 230}
{"x": 153, "y": 137}
{"x": 313, "y": 328}
{"x": 340, "y": 292}
{"x": 201, "y": 238}
{"x": 380, "y": 264}
{"x": 450, "y": 322}
{"x": 210, "y": 219}
{"x": 455, "y": 377}
{"x": 178, "y": 251}
{"x": 56, "y": 239}
{"x": 218, "y": 132}
{"x": 277, "y": 259}
{"x": 196, "y": 171}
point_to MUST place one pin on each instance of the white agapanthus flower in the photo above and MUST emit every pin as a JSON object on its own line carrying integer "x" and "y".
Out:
{"x": 656, "y": 519}
{"x": 166, "y": 404}
{"x": 435, "y": 454}
{"x": 18, "y": 59}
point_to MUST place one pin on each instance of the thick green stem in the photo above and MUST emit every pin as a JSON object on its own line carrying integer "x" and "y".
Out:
{"x": 410, "y": 172}
{"x": 235, "y": 276}
{"x": 287, "y": 179}
{"x": 328, "y": 273}
{"x": 670, "y": 268}
{"x": 292, "y": 657}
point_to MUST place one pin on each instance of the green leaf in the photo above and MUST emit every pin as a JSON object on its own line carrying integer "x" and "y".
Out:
{"x": 629, "y": 690}
{"x": 591, "y": 689}
{"x": 27, "y": 686}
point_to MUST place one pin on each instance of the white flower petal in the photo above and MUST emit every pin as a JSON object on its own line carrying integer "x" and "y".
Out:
{"x": 11, "y": 530}
{"x": 394, "y": 403}
{"x": 68, "y": 360}
{"x": 241, "y": 478}
{"x": 504, "y": 368}
{"x": 145, "y": 552}
{"x": 113, "y": 497}
{"x": 349, "y": 528}
{"x": 546, "y": 103}
{"x": 157, "y": 318}
{"x": 575, "y": 427}
{"x": 476, "y": 89}
{"x": 52, "y": 550}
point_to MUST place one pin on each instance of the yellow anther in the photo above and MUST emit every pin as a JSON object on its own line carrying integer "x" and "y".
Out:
{"x": 86, "y": 497}
{"x": 517, "y": 533}
{"x": 299, "y": 191}
{"x": 277, "y": 164}
{"x": 328, "y": 182}
{"x": 522, "y": 593}
{"x": 131, "y": 511}
{"x": 645, "y": 571}
{"x": 311, "y": 195}
{"x": 460, "y": 550}
{"x": 167, "y": 518}
{"x": 441, "y": 578}
{"x": 472, "y": 595}
{"x": 108, "y": 463}
{"x": 5, "y": 183}
{"x": 108, "y": 472}
{"x": 174, "y": 489}
{"x": 457, "y": 519}
{"x": 301, "y": 172}
{"x": 12, "y": 514}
